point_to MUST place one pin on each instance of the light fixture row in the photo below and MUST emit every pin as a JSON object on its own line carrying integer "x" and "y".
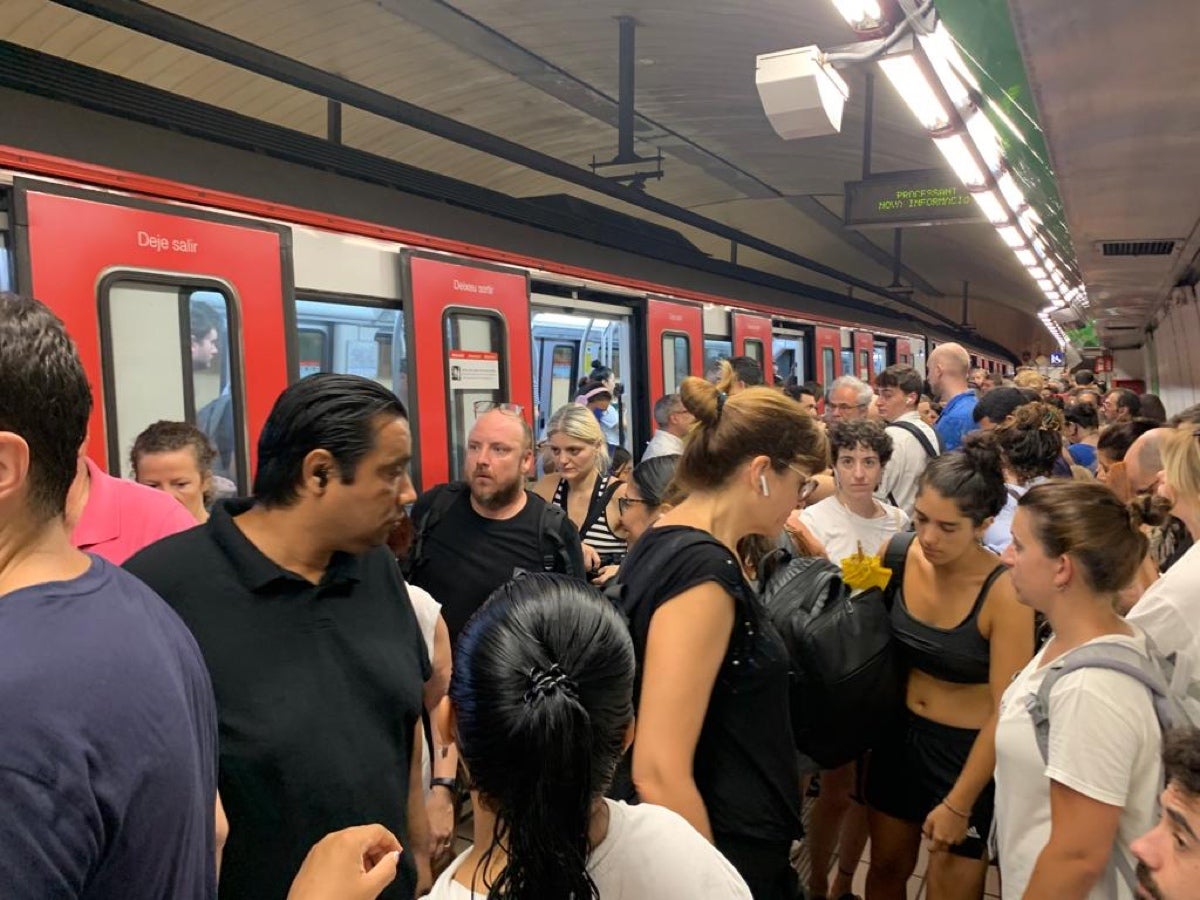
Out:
{"x": 942, "y": 92}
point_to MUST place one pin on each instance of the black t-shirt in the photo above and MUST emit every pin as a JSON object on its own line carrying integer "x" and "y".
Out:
{"x": 318, "y": 691}
{"x": 465, "y": 556}
{"x": 745, "y": 764}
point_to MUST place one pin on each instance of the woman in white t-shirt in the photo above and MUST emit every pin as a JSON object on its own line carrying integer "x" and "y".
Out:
{"x": 541, "y": 700}
{"x": 1065, "y": 824}
{"x": 852, "y": 518}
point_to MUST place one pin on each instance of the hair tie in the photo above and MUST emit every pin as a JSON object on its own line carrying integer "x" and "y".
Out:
{"x": 546, "y": 681}
{"x": 721, "y": 398}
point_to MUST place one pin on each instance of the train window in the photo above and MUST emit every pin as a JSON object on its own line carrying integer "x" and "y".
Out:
{"x": 138, "y": 319}
{"x": 313, "y": 344}
{"x": 475, "y": 373}
{"x": 789, "y": 358}
{"x": 353, "y": 337}
{"x": 754, "y": 350}
{"x": 864, "y": 365}
{"x": 830, "y": 365}
{"x": 848, "y": 362}
{"x": 562, "y": 376}
{"x": 715, "y": 350}
{"x": 6, "y": 270}
{"x": 676, "y": 350}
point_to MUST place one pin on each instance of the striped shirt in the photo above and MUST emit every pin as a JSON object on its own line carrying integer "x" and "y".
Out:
{"x": 598, "y": 534}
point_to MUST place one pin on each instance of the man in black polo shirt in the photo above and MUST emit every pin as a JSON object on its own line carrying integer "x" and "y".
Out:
{"x": 473, "y": 536}
{"x": 312, "y": 645}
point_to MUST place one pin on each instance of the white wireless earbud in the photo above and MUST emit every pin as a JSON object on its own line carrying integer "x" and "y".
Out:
{"x": 762, "y": 479}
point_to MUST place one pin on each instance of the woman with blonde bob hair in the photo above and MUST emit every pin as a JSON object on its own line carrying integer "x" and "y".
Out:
{"x": 580, "y": 483}
{"x": 1066, "y": 817}
{"x": 714, "y": 741}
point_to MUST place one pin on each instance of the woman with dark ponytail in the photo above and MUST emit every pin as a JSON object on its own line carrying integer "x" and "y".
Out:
{"x": 714, "y": 736}
{"x": 962, "y": 635}
{"x": 541, "y": 702}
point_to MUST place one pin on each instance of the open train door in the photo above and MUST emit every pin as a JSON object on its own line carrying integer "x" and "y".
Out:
{"x": 864, "y": 353}
{"x": 828, "y": 349}
{"x": 163, "y": 303}
{"x": 469, "y": 349}
{"x": 674, "y": 344}
{"x": 752, "y": 337}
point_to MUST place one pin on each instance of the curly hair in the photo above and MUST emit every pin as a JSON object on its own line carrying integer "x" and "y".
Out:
{"x": 1181, "y": 755}
{"x": 1031, "y": 440}
{"x": 865, "y": 433}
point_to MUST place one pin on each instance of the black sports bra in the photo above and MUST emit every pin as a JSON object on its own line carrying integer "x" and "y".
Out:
{"x": 959, "y": 655}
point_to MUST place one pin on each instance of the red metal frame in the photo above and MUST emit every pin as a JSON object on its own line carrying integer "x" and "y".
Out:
{"x": 827, "y": 339}
{"x": 74, "y": 242}
{"x": 864, "y": 342}
{"x": 434, "y": 286}
{"x": 665, "y": 316}
{"x": 756, "y": 328}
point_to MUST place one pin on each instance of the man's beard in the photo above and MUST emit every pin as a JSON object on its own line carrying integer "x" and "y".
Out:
{"x": 501, "y": 496}
{"x": 1146, "y": 880}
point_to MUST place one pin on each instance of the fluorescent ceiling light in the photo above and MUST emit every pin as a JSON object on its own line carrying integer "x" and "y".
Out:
{"x": 956, "y": 152}
{"x": 1038, "y": 273}
{"x": 1026, "y": 257}
{"x": 986, "y": 140}
{"x": 993, "y": 210}
{"x": 1010, "y": 191}
{"x": 940, "y": 49}
{"x": 1011, "y": 236}
{"x": 909, "y": 79}
{"x": 1045, "y": 284}
{"x": 861, "y": 15}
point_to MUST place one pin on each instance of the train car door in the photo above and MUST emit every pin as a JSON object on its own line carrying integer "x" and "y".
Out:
{"x": 752, "y": 337}
{"x": 864, "y": 352}
{"x": 469, "y": 344}
{"x": 828, "y": 344}
{"x": 674, "y": 344}
{"x": 163, "y": 302}
{"x": 904, "y": 352}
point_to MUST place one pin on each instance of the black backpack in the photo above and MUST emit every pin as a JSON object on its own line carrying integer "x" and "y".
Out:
{"x": 847, "y": 681}
{"x": 556, "y": 556}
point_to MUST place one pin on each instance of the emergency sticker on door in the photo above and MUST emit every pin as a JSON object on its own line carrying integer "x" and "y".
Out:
{"x": 474, "y": 370}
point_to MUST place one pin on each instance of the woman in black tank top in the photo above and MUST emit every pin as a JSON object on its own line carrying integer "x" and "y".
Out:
{"x": 963, "y": 635}
{"x": 714, "y": 741}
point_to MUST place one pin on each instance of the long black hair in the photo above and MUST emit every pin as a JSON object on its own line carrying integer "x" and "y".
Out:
{"x": 543, "y": 693}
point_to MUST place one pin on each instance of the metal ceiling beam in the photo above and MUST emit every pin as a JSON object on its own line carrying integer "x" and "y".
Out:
{"x": 165, "y": 26}
{"x": 480, "y": 40}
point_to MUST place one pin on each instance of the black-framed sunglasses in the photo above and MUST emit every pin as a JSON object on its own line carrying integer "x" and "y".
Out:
{"x": 623, "y": 504}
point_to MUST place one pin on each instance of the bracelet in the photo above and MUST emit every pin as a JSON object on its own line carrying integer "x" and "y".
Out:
{"x": 449, "y": 784}
{"x": 961, "y": 815}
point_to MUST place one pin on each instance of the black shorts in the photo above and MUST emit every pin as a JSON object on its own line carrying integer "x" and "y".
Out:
{"x": 913, "y": 769}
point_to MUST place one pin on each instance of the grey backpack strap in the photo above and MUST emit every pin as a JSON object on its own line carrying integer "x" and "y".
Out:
{"x": 1115, "y": 657}
{"x": 915, "y": 431}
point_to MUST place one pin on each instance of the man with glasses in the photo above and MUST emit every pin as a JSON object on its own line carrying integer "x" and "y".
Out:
{"x": 673, "y": 422}
{"x": 913, "y": 442}
{"x": 848, "y": 400}
{"x": 473, "y": 535}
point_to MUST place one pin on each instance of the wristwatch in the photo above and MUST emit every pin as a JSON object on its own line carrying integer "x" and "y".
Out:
{"x": 449, "y": 784}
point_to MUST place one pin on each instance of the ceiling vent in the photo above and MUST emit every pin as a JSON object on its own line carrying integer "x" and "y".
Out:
{"x": 1161, "y": 247}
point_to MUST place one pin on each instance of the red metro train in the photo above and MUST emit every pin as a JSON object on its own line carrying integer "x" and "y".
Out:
{"x": 191, "y": 304}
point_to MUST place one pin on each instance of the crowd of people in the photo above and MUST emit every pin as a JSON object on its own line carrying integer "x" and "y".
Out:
{"x": 301, "y": 692}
